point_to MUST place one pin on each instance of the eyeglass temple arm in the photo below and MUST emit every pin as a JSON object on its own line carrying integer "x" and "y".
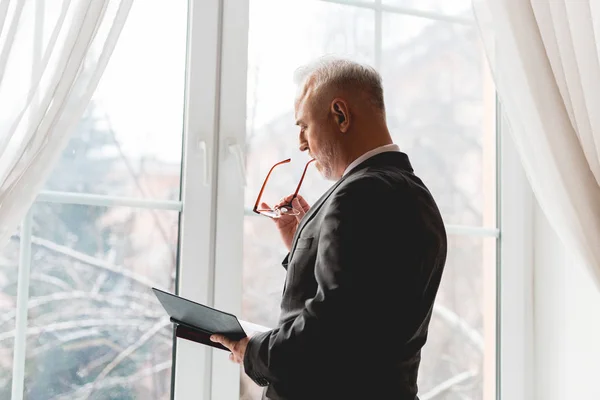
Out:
{"x": 301, "y": 179}
{"x": 265, "y": 183}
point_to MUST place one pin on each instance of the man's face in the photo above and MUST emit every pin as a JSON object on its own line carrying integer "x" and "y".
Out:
{"x": 317, "y": 134}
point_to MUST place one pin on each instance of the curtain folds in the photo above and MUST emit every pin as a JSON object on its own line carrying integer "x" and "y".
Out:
{"x": 544, "y": 55}
{"x": 52, "y": 55}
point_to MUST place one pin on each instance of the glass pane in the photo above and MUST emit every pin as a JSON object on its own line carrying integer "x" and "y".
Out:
{"x": 95, "y": 329}
{"x": 458, "y": 8}
{"x": 129, "y": 141}
{"x": 458, "y": 360}
{"x": 440, "y": 109}
{"x": 305, "y": 31}
{"x": 9, "y": 269}
{"x": 308, "y": 30}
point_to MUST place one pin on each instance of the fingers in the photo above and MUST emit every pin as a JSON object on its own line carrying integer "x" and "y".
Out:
{"x": 230, "y": 344}
{"x": 233, "y": 357}
{"x": 223, "y": 340}
{"x": 297, "y": 205}
{"x": 303, "y": 203}
{"x": 290, "y": 198}
{"x": 284, "y": 204}
{"x": 284, "y": 200}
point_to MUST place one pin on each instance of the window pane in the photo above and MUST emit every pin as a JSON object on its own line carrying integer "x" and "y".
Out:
{"x": 9, "y": 269}
{"x": 308, "y": 30}
{"x": 458, "y": 360}
{"x": 305, "y": 30}
{"x": 440, "y": 110}
{"x": 128, "y": 143}
{"x": 95, "y": 329}
{"x": 459, "y": 8}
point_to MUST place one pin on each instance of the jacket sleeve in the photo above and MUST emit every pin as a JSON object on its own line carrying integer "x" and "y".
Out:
{"x": 355, "y": 246}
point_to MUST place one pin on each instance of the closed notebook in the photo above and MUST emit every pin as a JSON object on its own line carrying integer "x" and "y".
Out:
{"x": 197, "y": 322}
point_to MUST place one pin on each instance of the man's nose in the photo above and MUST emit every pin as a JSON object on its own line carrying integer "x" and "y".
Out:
{"x": 303, "y": 146}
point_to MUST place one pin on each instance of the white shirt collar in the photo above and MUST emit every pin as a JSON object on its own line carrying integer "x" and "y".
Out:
{"x": 371, "y": 153}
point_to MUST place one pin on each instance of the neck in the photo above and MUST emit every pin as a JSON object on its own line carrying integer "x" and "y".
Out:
{"x": 362, "y": 145}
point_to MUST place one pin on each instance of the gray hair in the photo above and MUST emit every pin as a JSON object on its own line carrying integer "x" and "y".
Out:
{"x": 343, "y": 73}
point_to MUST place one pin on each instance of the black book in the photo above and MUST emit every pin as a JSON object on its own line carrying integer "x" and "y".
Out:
{"x": 197, "y": 322}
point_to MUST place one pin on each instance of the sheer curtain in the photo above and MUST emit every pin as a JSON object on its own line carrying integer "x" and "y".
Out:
{"x": 544, "y": 56}
{"x": 52, "y": 55}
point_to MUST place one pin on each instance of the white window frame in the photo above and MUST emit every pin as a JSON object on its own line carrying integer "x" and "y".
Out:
{"x": 513, "y": 368}
{"x": 192, "y": 367}
{"x": 515, "y": 361}
{"x": 25, "y": 254}
{"x": 211, "y": 206}
{"x": 193, "y": 363}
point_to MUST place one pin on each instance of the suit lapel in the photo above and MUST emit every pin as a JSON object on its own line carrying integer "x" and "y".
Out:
{"x": 311, "y": 212}
{"x": 395, "y": 158}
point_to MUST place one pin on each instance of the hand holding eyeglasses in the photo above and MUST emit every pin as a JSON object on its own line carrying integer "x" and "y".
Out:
{"x": 283, "y": 208}
{"x": 288, "y": 212}
{"x": 287, "y": 223}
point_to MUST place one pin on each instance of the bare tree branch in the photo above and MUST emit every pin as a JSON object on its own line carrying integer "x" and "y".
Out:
{"x": 164, "y": 339}
{"x": 81, "y": 393}
{"x": 129, "y": 350}
{"x": 96, "y": 363}
{"x": 99, "y": 282}
{"x": 86, "y": 259}
{"x": 36, "y": 351}
{"x": 51, "y": 280}
{"x": 86, "y": 323}
{"x": 448, "y": 384}
{"x": 61, "y": 296}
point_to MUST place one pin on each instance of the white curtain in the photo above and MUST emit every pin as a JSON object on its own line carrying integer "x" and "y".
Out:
{"x": 544, "y": 55}
{"x": 52, "y": 55}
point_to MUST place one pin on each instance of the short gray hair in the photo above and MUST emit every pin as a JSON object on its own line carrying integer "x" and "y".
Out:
{"x": 343, "y": 73}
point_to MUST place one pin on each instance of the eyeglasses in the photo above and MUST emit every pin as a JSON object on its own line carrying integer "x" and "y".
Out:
{"x": 285, "y": 209}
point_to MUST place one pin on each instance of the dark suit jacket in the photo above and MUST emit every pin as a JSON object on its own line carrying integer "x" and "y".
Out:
{"x": 362, "y": 276}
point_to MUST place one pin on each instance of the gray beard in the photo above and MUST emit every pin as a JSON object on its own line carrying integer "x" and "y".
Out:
{"x": 328, "y": 155}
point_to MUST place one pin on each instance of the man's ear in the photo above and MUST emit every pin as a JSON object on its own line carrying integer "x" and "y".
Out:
{"x": 341, "y": 113}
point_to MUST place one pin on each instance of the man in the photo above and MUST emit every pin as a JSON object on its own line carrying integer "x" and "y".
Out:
{"x": 364, "y": 262}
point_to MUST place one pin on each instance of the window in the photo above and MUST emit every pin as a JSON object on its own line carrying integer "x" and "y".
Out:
{"x": 156, "y": 186}
{"x": 441, "y": 111}
{"x": 103, "y": 231}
